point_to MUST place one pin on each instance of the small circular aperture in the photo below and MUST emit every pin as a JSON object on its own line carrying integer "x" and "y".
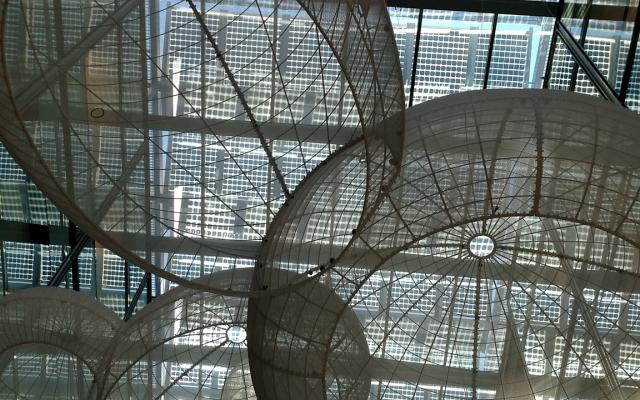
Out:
{"x": 481, "y": 246}
{"x": 97, "y": 112}
{"x": 236, "y": 334}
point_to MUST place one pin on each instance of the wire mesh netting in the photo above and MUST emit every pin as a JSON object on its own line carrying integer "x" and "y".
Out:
{"x": 192, "y": 144}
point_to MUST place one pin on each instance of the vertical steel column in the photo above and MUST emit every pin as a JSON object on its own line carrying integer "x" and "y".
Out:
{"x": 628, "y": 68}
{"x": 583, "y": 36}
{"x": 127, "y": 284}
{"x": 203, "y": 141}
{"x": 492, "y": 39}
{"x": 552, "y": 46}
{"x": 146, "y": 141}
{"x": 415, "y": 58}
{"x": 5, "y": 280}
{"x": 75, "y": 267}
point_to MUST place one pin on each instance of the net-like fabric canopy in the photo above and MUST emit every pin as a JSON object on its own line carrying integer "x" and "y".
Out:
{"x": 484, "y": 245}
{"x": 185, "y": 344}
{"x": 56, "y": 343}
{"x": 503, "y": 263}
{"x": 192, "y": 147}
{"x": 51, "y": 343}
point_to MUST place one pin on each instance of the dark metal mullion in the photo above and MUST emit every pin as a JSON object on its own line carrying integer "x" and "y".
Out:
{"x": 123, "y": 161}
{"x": 146, "y": 142}
{"x": 149, "y": 287}
{"x": 492, "y": 40}
{"x": 581, "y": 41}
{"x": 628, "y": 68}
{"x": 415, "y": 58}
{"x": 62, "y": 271}
{"x": 75, "y": 267}
{"x": 590, "y": 69}
{"x": 5, "y": 279}
{"x": 552, "y": 46}
{"x": 70, "y": 261}
{"x": 136, "y": 296}
{"x": 203, "y": 141}
{"x": 127, "y": 284}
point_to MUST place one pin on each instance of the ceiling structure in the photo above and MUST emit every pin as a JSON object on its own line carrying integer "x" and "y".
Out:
{"x": 250, "y": 200}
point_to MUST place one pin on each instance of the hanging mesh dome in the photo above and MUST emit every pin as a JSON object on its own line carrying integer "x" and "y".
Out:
{"x": 160, "y": 153}
{"x": 39, "y": 371}
{"x": 185, "y": 344}
{"x": 307, "y": 344}
{"x": 503, "y": 263}
{"x": 51, "y": 343}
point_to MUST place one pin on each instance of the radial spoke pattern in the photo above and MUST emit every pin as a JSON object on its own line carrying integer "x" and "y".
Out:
{"x": 326, "y": 244}
{"x": 502, "y": 262}
{"x": 186, "y": 344}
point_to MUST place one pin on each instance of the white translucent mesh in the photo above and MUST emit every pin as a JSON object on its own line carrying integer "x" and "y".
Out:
{"x": 203, "y": 136}
{"x": 544, "y": 304}
{"x": 307, "y": 344}
{"x": 52, "y": 342}
{"x": 38, "y": 371}
{"x": 185, "y": 344}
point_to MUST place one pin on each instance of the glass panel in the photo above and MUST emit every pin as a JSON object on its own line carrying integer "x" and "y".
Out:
{"x": 520, "y": 52}
{"x": 599, "y": 49}
{"x": 405, "y": 26}
{"x": 633, "y": 91}
{"x": 451, "y": 45}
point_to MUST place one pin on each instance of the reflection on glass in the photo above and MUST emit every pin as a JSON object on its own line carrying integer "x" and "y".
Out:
{"x": 451, "y": 44}
{"x": 454, "y": 46}
{"x": 405, "y": 26}
{"x": 520, "y": 51}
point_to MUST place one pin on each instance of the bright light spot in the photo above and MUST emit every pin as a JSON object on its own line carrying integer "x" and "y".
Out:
{"x": 481, "y": 246}
{"x": 236, "y": 334}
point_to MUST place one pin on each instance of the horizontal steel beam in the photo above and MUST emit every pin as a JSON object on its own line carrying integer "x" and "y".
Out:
{"x": 14, "y": 231}
{"x": 516, "y": 7}
{"x": 581, "y": 58}
{"x": 601, "y": 279}
{"x": 339, "y": 135}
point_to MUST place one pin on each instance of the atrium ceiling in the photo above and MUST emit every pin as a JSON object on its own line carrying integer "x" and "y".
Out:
{"x": 308, "y": 199}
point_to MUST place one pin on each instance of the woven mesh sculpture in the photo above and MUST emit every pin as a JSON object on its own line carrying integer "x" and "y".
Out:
{"x": 490, "y": 251}
{"x": 51, "y": 342}
{"x": 186, "y": 344}
{"x": 160, "y": 155}
{"x": 310, "y": 343}
{"x": 500, "y": 263}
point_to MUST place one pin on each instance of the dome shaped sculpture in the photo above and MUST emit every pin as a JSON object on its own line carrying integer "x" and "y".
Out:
{"x": 185, "y": 344}
{"x": 49, "y": 336}
{"x": 325, "y": 242}
{"x": 502, "y": 263}
{"x": 307, "y": 344}
{"x": 157, "y": 153}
